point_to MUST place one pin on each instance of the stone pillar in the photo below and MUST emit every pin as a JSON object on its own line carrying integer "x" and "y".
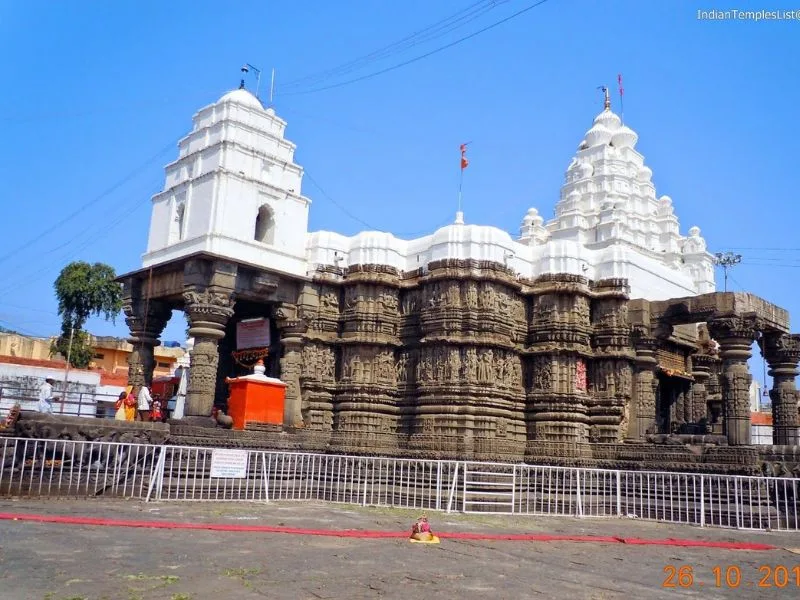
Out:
{"x": 208, "y": 312}
{"x": 782, "y": 352}
{"x": 146, "y": 320}
{"x": 291, "y": 329}
{"x": 735, "y": 336}
{"x": 701, "y": 371}
{"x": 645, "y": 384}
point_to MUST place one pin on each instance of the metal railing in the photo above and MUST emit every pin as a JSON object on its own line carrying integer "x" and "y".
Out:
{"x": 71, "y": 404}
{"x": 176, "y": 473}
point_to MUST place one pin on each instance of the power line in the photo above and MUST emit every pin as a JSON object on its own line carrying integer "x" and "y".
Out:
{"x": 423, "y": 56}
{"x": 84, "y": 207}
{"x": 432, "y": 32}
{"x": 105, "y": 229}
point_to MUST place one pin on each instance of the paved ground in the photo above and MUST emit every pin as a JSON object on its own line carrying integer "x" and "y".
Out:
{"x": 68, "y": 562}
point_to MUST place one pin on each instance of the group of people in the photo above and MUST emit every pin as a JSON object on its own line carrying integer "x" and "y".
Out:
{"x": 139, "y": 405}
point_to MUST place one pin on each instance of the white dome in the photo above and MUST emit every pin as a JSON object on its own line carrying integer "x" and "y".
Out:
{"x": 243, "y": 97}
{"x": 624, "y": 137}
{"x": 470, "y": 233}
{"x": 694, "y": 232}
{"x": 598, "y": 135}
{"x": 645, "y": 174}
{"x": 608, "y": 120}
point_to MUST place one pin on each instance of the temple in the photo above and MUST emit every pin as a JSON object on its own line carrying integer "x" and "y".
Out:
{"x": 596, "y": 335}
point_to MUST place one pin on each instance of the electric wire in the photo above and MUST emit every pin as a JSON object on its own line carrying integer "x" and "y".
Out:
{"x": 422, "y": 56}
{"x": 430, "y": 33}
{"x": 121, "y": 182}
{"x": 91, "y": 236}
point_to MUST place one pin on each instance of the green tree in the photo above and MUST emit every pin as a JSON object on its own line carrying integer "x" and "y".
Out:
{"x": 84, "y": 290}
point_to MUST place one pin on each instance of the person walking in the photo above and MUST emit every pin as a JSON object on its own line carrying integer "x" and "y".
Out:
{"x": 46, "y": 396}
{"x": 144, "y": 401}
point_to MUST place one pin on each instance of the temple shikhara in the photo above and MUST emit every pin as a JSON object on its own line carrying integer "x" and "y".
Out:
{"x": 596, "y": 336}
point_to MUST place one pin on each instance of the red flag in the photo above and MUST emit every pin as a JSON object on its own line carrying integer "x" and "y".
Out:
{"x": 464, "y": 160}
{"x": 621, "y": 89}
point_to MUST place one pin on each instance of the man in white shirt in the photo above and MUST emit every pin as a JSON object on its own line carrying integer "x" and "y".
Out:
{"x": 144, "y": 399}
{"x": 46, "y": 396}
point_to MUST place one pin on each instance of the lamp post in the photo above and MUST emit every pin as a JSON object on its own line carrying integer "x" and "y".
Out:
{"x": 727, "y": 260}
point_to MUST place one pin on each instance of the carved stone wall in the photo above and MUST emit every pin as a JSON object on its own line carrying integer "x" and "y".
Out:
{"x": 611, "y": 373}
{"x": 365, "y": 404}
{"x": 559, "y": 342}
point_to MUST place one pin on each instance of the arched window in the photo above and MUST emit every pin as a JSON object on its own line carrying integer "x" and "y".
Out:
{"x": 265, "y": 225}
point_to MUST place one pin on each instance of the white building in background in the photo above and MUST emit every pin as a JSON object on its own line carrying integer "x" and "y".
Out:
{"x": 235, "y": 191}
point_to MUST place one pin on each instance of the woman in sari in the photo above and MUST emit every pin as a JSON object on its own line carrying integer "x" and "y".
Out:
{"x": 130, "y": 406}
{"x": 119, "y": 407}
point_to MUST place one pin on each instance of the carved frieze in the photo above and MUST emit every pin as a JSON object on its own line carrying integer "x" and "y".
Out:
{"x": 319, "y": 362}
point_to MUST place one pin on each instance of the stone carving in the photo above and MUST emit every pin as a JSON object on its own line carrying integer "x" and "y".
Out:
{"x": 208, "y": 298}
{"x": 542, "y": 373}
{"x": 580, "y": 375}
{"x": 471, "y": 295}
{"x": 471, "y": 365}
{"x": 319, "y": 362}
{"x": 485, "y": 359}
{"x": 368, "y": 367}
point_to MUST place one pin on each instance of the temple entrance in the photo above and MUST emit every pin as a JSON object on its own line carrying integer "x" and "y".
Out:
{"x": 671, "y": 403}
{"x": 232, "y": 366}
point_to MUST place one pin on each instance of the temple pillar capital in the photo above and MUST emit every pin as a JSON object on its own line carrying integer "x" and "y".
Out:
{"x": 146, "y": 320}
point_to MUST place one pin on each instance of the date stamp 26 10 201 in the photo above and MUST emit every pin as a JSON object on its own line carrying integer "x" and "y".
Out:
{"x": 732, "y": 576}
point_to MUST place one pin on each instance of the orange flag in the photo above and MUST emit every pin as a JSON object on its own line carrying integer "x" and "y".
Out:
{"x": 464, "y": 160}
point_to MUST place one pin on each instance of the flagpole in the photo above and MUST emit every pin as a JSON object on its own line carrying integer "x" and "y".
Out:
{"x": 621, "y": 94}
{"x": 463, "y": 165}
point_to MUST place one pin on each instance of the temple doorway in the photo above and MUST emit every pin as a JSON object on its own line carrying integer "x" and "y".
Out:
{"x": 231, "y": 365}
{"x": 670, "y": 410}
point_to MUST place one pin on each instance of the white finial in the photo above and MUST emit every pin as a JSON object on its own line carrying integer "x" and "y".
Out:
{"x": 459, "y": 218}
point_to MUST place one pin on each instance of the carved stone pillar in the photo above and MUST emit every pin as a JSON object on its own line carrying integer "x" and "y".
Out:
{"x": 701, "y": 371}
{"x": 645, "y": 384}
{"x": 782, "y": 352}
{"x": 146, "y": 320}
{"x": 735, "y": 336}
{"x": 207, "y": 312}
{"x": 291, "y": 329}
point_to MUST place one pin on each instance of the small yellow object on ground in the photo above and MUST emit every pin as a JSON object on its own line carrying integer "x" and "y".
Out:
{"x": 433, "y": 540}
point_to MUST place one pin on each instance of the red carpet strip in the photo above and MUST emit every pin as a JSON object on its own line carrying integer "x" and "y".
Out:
{"x": 365, "y": 534}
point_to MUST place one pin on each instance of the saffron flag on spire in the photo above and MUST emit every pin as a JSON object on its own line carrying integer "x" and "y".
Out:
{"x": 621, "y": 89}
{"x": 464, "y": 160}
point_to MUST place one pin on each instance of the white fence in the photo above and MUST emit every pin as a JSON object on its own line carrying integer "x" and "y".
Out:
{"x": 71, "y": 404}
{"x": 37, "y": 468}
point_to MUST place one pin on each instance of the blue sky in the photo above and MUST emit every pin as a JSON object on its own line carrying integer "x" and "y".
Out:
{"x": 95, "y": 97}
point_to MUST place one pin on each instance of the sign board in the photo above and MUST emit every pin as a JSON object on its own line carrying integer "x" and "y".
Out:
{"x": 229, "y": 464}
{"x": 252, "y": 333}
